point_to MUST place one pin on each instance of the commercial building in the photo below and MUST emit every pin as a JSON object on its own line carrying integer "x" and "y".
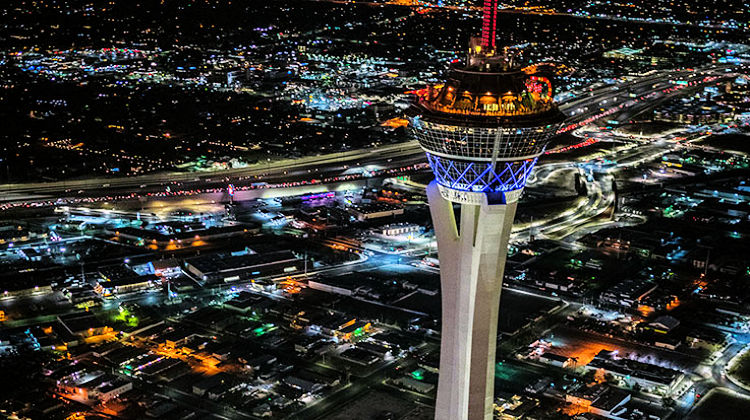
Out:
{"x": 88, "y": 386}
{"x": 355, "y": 330}
{"x": 555, "y": 360}
{"x": 359, "y": 356}
{"x": 14, "y": 234}
{"x": 126, "y": 284}
{"x": 398, "y": 229}
{"x": 218, "y": 268}
{"x": 249, "y": 303}
{"x": 412, "y": 384}
{"x": 214, "y": 385}
{"x": 514, "y": 407}
{"x": 627, "y": 293}
{"x": 651, "y": 378}
{"x": 663, "y": 324}
{"x": 333, "y": 285}
{"x": 375, "y": 211}
{"x": 83, "y": 324}
{"x": 30, "y": 282}
{"x": 600, "y": 399}
{"x": 21, "y": 288}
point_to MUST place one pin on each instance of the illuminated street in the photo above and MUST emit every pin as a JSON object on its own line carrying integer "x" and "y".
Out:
{"x": 374, "y": 210}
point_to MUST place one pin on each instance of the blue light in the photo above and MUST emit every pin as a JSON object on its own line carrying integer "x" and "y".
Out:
{"x": 480, "y": 176}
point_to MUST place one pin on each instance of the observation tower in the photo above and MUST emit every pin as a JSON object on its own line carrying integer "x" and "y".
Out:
{"x": 482, "y": 130}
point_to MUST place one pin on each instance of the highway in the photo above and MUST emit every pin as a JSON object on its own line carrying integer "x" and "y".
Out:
{"x": 625, "y": 99}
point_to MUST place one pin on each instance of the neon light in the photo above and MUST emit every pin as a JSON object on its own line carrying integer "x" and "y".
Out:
{"x": 489, "y": 24}
{"x": 480, "y": 176}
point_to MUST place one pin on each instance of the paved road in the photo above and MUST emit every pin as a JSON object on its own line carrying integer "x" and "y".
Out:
{"x": 587, "y": 107}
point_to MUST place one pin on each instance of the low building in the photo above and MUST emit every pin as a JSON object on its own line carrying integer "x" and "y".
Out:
{"x": 123, "y": 285}
{"x": 113, "y": 389}
{"x": 30, "y": 282}
{"x": 539, "y": 386}
{"x": 93, "y": 386}
{"x": 566, "y": 284}
{"x": 249, "y": 303}
{"x": 600, "y": 399}
{"x": 398, "y": 229}
{"x": 259, "y": 363}
{"x": 555, "y": 360}
{"x": 352, "y": 331}
{"x": 514, "y": 407}
{"x": 83, "y": 324}
{"x": 663, "y": 324}
{"x": 215, "y": 384}
{"x": 331, "y": 326}
{"x": 263, "y": 410}
{"x": 584, "y": 396}
{"x": 379, "y": 349}
{"x": 306, "y": 343}
{"x": 216, "y": 268}
{"x": 375, "y": 211}
{"x": 670, "y": 343}
{"x": 359, "y": 356}
{"x": 611, "y": 405}
{"x": 30, "y": 254}
{"x": 176, "y": 338}
{"x": 652, "y": 378}
{"x": 304, "y": 385}
{"x": 333, "y": 285}
{"x": 412, "y": 384}
{"x": 627, "y": 293}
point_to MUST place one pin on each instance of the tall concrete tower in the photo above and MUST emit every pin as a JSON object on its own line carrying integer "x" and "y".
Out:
{"x": 483, "y": 130}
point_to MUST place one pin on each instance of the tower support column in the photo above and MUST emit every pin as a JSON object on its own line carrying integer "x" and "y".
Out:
{"x": 472, "y": 260}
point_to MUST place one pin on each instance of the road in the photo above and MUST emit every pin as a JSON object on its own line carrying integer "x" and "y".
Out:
{"x": 583, "y": 109}
{"x": 614, "y": 102}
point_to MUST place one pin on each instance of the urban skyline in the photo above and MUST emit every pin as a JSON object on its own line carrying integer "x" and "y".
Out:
{"x": 214, "y": 209}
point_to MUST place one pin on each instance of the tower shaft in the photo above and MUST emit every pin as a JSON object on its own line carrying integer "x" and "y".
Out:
{"x": 482, "y": 130}
{"x": 472, "y": 262}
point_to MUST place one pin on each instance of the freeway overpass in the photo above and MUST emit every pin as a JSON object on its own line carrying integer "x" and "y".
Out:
{"x": 623, "y": 100}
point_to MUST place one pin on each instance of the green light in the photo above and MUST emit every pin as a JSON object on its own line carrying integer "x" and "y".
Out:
{"x": 418, "y": 374}
{"x": 264, "y": 329}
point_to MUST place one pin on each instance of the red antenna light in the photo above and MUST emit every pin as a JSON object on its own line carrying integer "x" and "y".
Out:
{"x": 489, "y": 24}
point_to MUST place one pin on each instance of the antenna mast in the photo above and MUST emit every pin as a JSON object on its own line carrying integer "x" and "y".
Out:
{"x": 489, "y": 24}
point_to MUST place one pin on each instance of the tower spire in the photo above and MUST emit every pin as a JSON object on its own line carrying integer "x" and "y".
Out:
{"x": 489, "y": 24}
